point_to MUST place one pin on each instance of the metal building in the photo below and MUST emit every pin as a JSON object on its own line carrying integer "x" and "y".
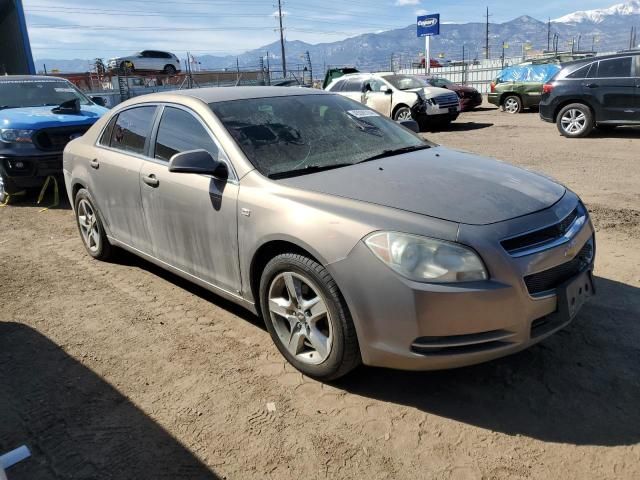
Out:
{"x": 15, "y": 49}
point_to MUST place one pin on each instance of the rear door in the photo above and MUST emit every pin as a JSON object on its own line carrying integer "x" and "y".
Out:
{"x": 379, "y": 97}
{"x": 115, "y": 175}
{"x": 192, "y": 218}
{"x": 612, "y": 88}
{"x": 353, "y": 88}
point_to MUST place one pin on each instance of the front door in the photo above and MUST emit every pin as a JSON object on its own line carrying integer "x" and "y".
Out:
{"x": 115, "y": 175}
{"x": 192, "y": 218}
{"x": 379, "y": 97}
{"x": 613, "y": 89}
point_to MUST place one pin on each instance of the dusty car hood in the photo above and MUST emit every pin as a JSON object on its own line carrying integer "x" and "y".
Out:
{"x": 441, "y": 183}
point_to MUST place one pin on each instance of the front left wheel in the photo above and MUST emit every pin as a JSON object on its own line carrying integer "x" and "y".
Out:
{"x": 402, "y": 114}
{"x": 307, "y": 317}
{"x": 90, "y": 227}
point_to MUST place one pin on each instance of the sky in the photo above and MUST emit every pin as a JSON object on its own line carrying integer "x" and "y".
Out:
{"x": 68, "y": 29}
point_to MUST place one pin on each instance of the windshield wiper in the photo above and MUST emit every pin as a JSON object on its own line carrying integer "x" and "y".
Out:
{"x": 306, "y": 170}
{"x": 395, "y": 151}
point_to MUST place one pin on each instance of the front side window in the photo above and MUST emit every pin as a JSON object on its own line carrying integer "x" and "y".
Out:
{"x": 132, "y": 128}
{"x": 38, "y": 93}
{"x": 615, "y": 68}
{"x": 302, "y": 133}
{"x": 180, "y": 131}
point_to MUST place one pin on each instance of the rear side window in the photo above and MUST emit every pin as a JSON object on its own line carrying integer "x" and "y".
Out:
{"x": 615, "y": 68}
{"x": 105, "y": 138}
{"x": 582, "y": 72}
{"x": 354, "y": 85}
{"x": 337, "y": 86}
{"x": 180, "y": 131}
{"x": 132, "y": 128}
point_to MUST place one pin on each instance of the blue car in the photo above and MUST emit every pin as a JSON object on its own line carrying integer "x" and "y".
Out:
{"x": 38, "y": 117}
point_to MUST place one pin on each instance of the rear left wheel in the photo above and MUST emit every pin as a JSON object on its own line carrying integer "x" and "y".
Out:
{"x": 90, "y": 227}
{"x": 170, "y": 70}
{"x": 307, "y": 317}
{"x": 512, "y": 104}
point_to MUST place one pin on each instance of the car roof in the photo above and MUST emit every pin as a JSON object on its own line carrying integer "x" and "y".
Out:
{"x": 225, "y": 94}
{"x": 14, "y": 78}
{"x": 582, "y": 61}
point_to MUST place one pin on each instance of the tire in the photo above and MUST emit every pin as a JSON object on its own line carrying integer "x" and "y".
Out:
{"x": 512, "y": 104}
{"x": 170, "y": 70}
{"x": 324, "y": 347}
{"x": 7, "y": 188}
{"x": 90, "y": 227}
{"x": 402, "y": 113}
{"x": 575, "y": 121}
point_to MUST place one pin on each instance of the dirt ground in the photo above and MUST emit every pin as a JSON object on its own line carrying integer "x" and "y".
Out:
{"x": 120, "y": 370}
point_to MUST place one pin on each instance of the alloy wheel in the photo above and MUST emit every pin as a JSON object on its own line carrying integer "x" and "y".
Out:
{"x": 511, "y": 105}
{"x": 404, "y": 115}
{"x": 300, "y": 317}
{"x": 89, "y": 227}
{"x": 573, "y": 121}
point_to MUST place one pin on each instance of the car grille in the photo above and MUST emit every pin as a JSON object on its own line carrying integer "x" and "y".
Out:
{"x": 447, "y": 100}
{"x": 520, "y": 243}
{"x": 55, "y": 139}
{"x": 40, "y": 166}
{"x": 548, "y": 280}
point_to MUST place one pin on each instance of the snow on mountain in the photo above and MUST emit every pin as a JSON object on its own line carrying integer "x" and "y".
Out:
{"x": 631, "y": 7}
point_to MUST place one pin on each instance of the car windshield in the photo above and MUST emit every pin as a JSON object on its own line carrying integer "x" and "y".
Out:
{"x": 37, "y": 93}
{"x": 302, "y": 133}
{"x": 442, "y": 81}
{"x": 404, "y": 82}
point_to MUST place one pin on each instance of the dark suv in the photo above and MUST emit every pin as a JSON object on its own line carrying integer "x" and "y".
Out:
{"x": 602, "y": 92}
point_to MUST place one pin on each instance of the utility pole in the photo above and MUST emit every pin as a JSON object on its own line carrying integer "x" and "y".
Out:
{"x": 549, "y": 35}
{"x": 632, "y": 38}
{"x": 284, "y": 61}
{"x": 486, "y": 55}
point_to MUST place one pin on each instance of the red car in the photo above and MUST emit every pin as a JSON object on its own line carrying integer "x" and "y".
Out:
{"x": 470, "y": 98}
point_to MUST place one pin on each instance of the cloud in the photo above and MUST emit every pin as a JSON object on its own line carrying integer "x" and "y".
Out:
{"x": 403, "y": 3}
{"x": 421, "y": 11}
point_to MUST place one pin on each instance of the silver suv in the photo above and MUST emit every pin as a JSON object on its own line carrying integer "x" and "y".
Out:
{"x": 401, "y": 97}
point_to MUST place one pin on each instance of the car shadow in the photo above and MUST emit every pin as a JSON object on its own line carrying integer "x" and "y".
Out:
{"x": 123, "y": 257}
{"x": 75, "y": 423}
{"x": 461, "y": 127}
{"x": 618, "y": 132}
{"x": 579, "y": 386}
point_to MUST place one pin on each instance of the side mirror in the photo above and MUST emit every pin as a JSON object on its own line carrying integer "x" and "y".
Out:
{"x": 411, "y": 125}
{"x": 385, "y": 89}
{"x": 99, "y": 101}
{"x": 200, "y": 162}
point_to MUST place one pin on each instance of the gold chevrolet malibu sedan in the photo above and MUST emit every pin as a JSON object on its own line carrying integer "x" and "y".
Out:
{"x": 355, "y": 239}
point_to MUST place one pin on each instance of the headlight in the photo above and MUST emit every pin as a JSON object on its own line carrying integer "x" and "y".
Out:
{"x": 10, "y": 135}
{"x": 424, "y": 259}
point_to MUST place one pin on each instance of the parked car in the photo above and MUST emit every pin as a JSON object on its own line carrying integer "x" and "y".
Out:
{"x": 520, "y": 86}
{"x": 353, "y": 237}
{"x": 401, "y": 97}
{"x": 601, "y": 93}
{"x": 149, "y": 60}
{"x": 470, "y": 98}
{"x": 38, "y": 116}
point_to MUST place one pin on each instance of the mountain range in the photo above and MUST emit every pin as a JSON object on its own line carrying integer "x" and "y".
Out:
{"x": 604, "y": 30}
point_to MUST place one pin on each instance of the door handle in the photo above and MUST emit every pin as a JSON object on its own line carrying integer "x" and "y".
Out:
{"x": 592, "y": 85}
{"x": 151, "y": 180}
{"x": 95, "y": 163}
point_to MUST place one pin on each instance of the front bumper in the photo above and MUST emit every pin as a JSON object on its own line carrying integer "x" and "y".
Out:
{"x": 399, "y": 322}
{"x": 470, "y": 102}
{"x": 29, "y": 170}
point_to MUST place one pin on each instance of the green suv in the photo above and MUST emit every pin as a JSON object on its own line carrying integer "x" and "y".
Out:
{"x": 520, "y": 86}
